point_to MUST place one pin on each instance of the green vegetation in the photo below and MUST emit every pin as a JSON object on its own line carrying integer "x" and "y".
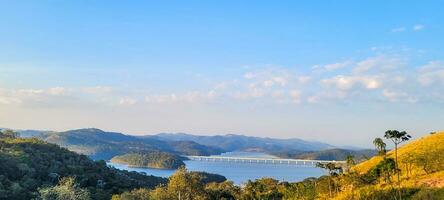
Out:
{"x": 101, "y": 145}
{"x": 186, "y": 185}
{"x": 380, "y": 146}
{"x": 328, "y": 154}
{"x": 29, "y": 166}
{"x": 159, "y": 160}
{"x": 66, "y": 189}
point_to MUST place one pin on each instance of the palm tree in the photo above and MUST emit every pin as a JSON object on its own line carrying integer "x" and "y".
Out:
{"x": 397, "y": 138}
{"x": 380, "y": 145}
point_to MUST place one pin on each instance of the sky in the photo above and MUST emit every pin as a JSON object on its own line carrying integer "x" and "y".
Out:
{"x": 341, "y": 72}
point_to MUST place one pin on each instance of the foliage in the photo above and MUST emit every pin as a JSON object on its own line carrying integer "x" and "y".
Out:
{"x": 386, "y": 168}
{"x": 8, "y": 134}
{"x": 29, "y": 164}
{"x": 265, "y": 188}
{"x": 380, "y": 146}
{"x": 66, "y": 189}
{"x": 137, "y": 194}
{"x": 160, "y": 160}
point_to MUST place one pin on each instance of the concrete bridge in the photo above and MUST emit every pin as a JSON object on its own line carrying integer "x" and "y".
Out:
{"x": 279, "y": 161}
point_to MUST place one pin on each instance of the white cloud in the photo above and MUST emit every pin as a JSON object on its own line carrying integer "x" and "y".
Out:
{"x": 295, "y": 96}
{"x": 381, "y": 63}
{"x": 171, "y": 98}
{"x": 334, "y": 66}
{"x": 303, "y": 79}
{"x": 432, "y": 72}
{"x": 398, "y": 29}
{"x": 250, "y": 75}
{"x": 326, "y": 96}
{"x": 188, "y": 97}
{"x": 268, "y": 83}
{"x": 127, "y": 101}
{"x": 343, "y": 82}
{"x": 396, "y": 96}
{"x": 392, "y": 95}
{"x": 57, "y": 91}
{"x": 418, "y": 27}
{"x": 98, "y": 89}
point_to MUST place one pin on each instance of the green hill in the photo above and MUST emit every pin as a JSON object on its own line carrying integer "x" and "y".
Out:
{"x": 159, "y": 160}
{"x": 328, "y": 154}
{"x": 102, "y": 145}
{"x": 29, "y": 164}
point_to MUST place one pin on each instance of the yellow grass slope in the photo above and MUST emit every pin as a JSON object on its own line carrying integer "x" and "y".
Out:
{"x": 426, "y": 144}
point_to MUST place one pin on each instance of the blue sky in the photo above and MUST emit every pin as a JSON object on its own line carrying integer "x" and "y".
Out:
{"x": 318, "y": 70}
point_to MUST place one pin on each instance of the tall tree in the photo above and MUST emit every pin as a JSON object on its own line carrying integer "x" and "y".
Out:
{"x": 397, "y": 138}
{"x": 380, "y": 145}
{"x": 350, "y": 161}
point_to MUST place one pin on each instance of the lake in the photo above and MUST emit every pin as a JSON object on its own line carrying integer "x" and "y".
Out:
{"x": 239, "y": 173}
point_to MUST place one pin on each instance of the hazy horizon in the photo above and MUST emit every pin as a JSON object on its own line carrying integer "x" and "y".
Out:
{"x": 336, "y": 72}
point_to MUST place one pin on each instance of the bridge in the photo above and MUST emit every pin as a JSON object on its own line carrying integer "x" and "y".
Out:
{"x": 279, "y": 161}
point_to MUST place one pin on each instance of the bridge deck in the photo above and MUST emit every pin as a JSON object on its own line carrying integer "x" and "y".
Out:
{"x": 262, "y": 160}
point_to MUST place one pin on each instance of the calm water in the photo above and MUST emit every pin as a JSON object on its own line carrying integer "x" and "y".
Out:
{"x": 239, "y": 172}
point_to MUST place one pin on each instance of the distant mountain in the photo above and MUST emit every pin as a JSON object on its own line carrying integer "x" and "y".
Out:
{"x": 245, "y": 143}
{"x": 328, "y": 154}
{"x": 99, "y": 144}
{"x": 104, "y": 145}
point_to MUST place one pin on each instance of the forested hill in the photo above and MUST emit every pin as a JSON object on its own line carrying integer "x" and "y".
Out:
{"x": 159, "y": 160}
{"x": 241, "y": 142}
{"x": 328, "y": 154}
{"x": 104, "y": 145}
{"x": 29, "y": 164}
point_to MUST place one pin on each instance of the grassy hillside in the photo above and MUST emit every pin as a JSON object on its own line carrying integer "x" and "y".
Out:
{"x": 424, "y": 154}
{"x": 421, "y": 165}
{"x": 29, "y": 164}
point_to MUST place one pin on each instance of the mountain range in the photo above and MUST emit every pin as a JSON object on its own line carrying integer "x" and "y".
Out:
{"x": 99, "y": 144}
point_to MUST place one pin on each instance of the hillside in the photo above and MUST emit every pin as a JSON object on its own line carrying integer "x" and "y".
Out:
{"x": 422, "y": 158}
{"x": 328, "y": 154}
{"x": 245, "y": 143}
{"x": 29, "y": 164}
{"x": 158, "y": 160}
{"x": 102, "y": 145}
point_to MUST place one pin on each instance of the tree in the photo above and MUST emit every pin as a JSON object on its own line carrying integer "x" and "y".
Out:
{"x": 333, "y": 170}
{"x": 185, "y": 185}
{"x": 350, "y": 162}
{"x": 8, "y": 134}
{"x": 380, "y": 146}
{"x": 67, "y": 189}
{"x": 397, "y": 138}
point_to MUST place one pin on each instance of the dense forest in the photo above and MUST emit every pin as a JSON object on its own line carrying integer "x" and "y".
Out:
{"x": 31, "y": 166}
{"x": 159, "y": 160}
